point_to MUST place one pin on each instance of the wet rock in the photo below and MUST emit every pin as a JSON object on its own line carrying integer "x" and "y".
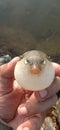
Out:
{"x": 4, "y": 58}
{"x": 52, "y": 120}
{"x": 48, "y": 124}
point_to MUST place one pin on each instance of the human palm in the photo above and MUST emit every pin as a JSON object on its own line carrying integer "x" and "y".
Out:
{"x": 13, "y": 97}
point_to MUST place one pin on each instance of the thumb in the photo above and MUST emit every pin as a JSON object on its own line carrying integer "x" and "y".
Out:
{"x": 7, "y": 70}
{"x": 7, "y": 76}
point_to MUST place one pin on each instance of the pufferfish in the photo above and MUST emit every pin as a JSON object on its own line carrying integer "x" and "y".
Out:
{"x": 34, "y": 71}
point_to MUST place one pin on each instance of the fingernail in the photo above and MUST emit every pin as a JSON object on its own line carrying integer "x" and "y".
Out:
{"x": 23, "y": 110}
{"x": 43, "y": 93}
{"x": 15, "y": 58}
{"x": 26, "y": 128}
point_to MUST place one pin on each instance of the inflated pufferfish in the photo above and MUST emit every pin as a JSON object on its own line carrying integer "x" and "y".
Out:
{"x": 34, "y": 71}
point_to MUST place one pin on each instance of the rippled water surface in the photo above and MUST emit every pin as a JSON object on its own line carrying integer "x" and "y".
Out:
{"x": 30, "y": 24}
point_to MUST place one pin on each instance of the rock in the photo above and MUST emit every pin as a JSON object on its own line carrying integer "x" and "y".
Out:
{"x": 52, "y": 120}
{"x": 4, "y": 58}
{"x": 48, "y": 124}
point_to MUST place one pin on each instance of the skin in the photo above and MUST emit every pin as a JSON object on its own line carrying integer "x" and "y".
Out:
{"x": 25, "y": 109}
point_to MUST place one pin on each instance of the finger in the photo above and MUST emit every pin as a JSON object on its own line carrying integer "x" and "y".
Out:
{"x": 50, "y": 91}
{"x": 7, "y": 70}
{"x": 7, "y": 76}
{"x": 9, "y": 103}
{"x": 33, "y": 123}
{"x": 32, "y": 106}
{"x": 57, "y": 69}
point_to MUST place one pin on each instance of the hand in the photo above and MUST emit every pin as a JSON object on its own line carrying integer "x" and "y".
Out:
{"x": 43, "y": 100}
{"x": 11, "y": 96}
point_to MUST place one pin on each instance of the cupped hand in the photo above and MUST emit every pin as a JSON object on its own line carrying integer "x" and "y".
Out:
{"x": 24, "y": 109}
{"x": 10, "y": 93}
{"x": 11, "y": 96}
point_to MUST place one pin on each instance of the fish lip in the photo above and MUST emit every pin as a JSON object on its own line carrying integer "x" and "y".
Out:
{"x": 35, "y": 69}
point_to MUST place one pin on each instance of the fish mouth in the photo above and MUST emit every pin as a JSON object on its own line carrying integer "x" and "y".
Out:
{"x": 35, "y": 69}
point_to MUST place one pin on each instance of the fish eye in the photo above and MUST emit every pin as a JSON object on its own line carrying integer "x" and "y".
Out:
{"x": 28, "y": 61}
{"x": 43, "y": 61}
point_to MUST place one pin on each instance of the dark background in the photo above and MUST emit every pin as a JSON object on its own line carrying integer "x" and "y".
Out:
{"x": 30, "y": 24}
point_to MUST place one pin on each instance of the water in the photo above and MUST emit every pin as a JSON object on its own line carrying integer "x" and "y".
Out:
{"x": 29, "y": 24}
